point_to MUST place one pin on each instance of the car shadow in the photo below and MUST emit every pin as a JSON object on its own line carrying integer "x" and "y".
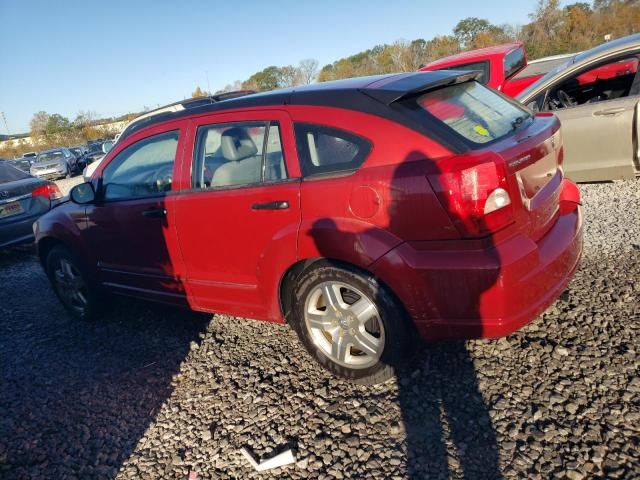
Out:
{"x": 446, "y": 423}
{"x": 78, "y": 396}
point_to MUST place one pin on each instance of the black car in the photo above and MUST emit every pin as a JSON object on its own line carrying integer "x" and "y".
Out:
{"x": 23, "y": 199}
{"x": 81, "y": 160}
{"x": 23, "y": 163}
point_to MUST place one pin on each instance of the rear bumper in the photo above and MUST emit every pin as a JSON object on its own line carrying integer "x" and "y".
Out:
{"x": 461, "y": 294}
{"x": 17, "y": 232}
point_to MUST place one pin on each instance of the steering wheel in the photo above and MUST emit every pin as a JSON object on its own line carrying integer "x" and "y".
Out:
{"x": 162, "y": 178}
{"x": 565, "y": 100}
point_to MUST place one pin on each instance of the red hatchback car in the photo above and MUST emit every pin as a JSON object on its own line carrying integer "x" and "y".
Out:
{"x": 358, "y": 211}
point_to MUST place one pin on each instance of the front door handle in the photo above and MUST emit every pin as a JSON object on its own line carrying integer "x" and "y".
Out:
{"x": 154, "y": 212}
{"x": 275, "y": 205}
{"x": 609, "y": 112}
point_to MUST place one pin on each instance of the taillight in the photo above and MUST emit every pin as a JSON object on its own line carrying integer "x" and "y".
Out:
{"x": 474, "y": 191}
{"x": 49, "y": 190}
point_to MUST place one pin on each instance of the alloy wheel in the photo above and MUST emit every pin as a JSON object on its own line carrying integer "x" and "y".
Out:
{"x": 344, "y": 324}
{"x": 71, "y": 286}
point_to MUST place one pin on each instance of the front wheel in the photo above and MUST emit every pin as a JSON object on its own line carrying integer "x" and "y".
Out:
{"x": 70, "y": 282}
{"x": 350, "y": 323}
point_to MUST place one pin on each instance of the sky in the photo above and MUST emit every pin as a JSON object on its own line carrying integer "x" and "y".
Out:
{"x": 114, "y": 57}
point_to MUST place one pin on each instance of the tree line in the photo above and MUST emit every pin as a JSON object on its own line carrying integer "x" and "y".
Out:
{"x": 552, "y": 30}
{"x": 55, "y": 130}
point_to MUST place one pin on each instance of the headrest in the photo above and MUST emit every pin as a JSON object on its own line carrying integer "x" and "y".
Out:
{"x": 237, "y": 144}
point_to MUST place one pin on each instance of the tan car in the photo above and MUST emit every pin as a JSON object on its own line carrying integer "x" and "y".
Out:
{"x": 596, "y": 95}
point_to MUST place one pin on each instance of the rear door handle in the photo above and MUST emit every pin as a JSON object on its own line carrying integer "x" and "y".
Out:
{"x": 154, "y": 212}
{"x": 275, "y": 205}
{"x": 609, "y": 112}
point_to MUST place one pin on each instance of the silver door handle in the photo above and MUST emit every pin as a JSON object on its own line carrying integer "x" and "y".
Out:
{"x": 609, "y": 112}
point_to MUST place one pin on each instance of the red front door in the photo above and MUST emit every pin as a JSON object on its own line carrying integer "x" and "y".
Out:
{"x": 131, "y": 228}
{"x": 237, "y": 225}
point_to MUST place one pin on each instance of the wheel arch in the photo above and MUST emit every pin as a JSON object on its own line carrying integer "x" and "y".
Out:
{"x": 286, "y": 287}
{"x": 44, "y": 246}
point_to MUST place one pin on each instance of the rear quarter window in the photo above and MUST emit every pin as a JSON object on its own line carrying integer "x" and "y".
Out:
{"x": 473, "y": 112}
{"x": 324, "y": 150}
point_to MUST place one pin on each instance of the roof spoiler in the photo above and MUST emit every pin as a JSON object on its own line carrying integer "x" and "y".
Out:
{"x": 398, "y": 87}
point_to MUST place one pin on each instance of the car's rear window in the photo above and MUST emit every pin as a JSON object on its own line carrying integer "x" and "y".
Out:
{"x": 47, "y": 157}
{"x": 9, "y": 173}
{"x": 482, "y": 66}
{"x": 473, "y": 111}
{"x": 513, "y": 62}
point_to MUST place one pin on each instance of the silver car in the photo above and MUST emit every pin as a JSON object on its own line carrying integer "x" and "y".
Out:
{"x": 596, "y": 95}
{"x": 53, "y": 164}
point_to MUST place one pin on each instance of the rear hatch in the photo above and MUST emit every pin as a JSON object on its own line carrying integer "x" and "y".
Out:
{"x": 508, "y": 174}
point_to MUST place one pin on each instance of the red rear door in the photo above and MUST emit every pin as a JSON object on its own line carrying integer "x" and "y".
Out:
{"x": 237, "y": 222}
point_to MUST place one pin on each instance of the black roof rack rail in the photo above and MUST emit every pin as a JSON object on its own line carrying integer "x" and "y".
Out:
{"x": 160, "y": 113}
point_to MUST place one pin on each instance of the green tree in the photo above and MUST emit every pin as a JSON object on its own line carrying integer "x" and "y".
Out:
{"x": 57, "y": 124}
{"x": 38, "y": 123}
{"x": 198, "y": 92}
{"x": 467, "y": 29}
{"x": 268, "y": 79}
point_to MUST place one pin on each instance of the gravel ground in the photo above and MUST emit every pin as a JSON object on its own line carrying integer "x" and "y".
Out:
{"x": 155, "y": 393}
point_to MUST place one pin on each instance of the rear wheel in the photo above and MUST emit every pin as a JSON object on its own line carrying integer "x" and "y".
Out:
{"x": 68, "y": 276}
{"x": 350, "y": 323}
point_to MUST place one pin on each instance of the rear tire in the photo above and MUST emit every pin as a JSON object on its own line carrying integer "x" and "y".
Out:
{"x": 350, "y": 323}
{"x": 72, "y": 285}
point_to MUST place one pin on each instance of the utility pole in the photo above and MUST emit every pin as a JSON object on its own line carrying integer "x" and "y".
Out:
{"x": 6, "y": 124}
{"x": 206, "y": 72}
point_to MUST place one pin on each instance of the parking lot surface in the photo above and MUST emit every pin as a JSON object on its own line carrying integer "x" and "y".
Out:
{"x": 150, "y": 392}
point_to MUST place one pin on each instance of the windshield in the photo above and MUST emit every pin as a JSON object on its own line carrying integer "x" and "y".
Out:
{"x": 49, "y": 156}
{"x": 550, "y": 74}
{"x": 473, "y": 111}
{"x": 10, "y": 174}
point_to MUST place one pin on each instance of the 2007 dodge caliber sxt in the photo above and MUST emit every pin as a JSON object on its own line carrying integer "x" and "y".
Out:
{"x": 358, "y": 211}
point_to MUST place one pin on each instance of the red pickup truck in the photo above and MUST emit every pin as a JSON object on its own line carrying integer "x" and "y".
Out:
{"x": 505, "y": 67}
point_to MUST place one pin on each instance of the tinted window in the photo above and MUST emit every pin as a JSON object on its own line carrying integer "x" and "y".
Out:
{"x": 513, "y": 62}
{"x": 235, "y": 154}
{"x": 142, "y": 169}
{"x": 473, "y": 111}
{"x": 325, "y": 150}
{"x": 483, "y": 66}
{"x": 10, "y": 174}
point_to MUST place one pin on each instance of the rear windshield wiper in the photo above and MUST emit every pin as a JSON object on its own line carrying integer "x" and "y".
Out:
{"x": 518, "y": 121}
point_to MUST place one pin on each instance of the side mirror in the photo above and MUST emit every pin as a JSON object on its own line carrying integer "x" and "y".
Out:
{"x": 83, "y": 193}
{"x": 106, "y": 146}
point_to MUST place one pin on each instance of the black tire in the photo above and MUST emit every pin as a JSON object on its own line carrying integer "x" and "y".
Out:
{"x": 91, "y": 291}
{"x": 397, "y": 344}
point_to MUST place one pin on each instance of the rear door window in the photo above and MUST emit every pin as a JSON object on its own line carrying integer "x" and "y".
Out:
{"x": 473, "y": 112}
{"x": 238, "y": 154}
{"x": 326, "y": 150}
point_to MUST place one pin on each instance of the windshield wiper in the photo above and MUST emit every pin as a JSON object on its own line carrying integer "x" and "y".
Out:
{"x": 517, "y": 122}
